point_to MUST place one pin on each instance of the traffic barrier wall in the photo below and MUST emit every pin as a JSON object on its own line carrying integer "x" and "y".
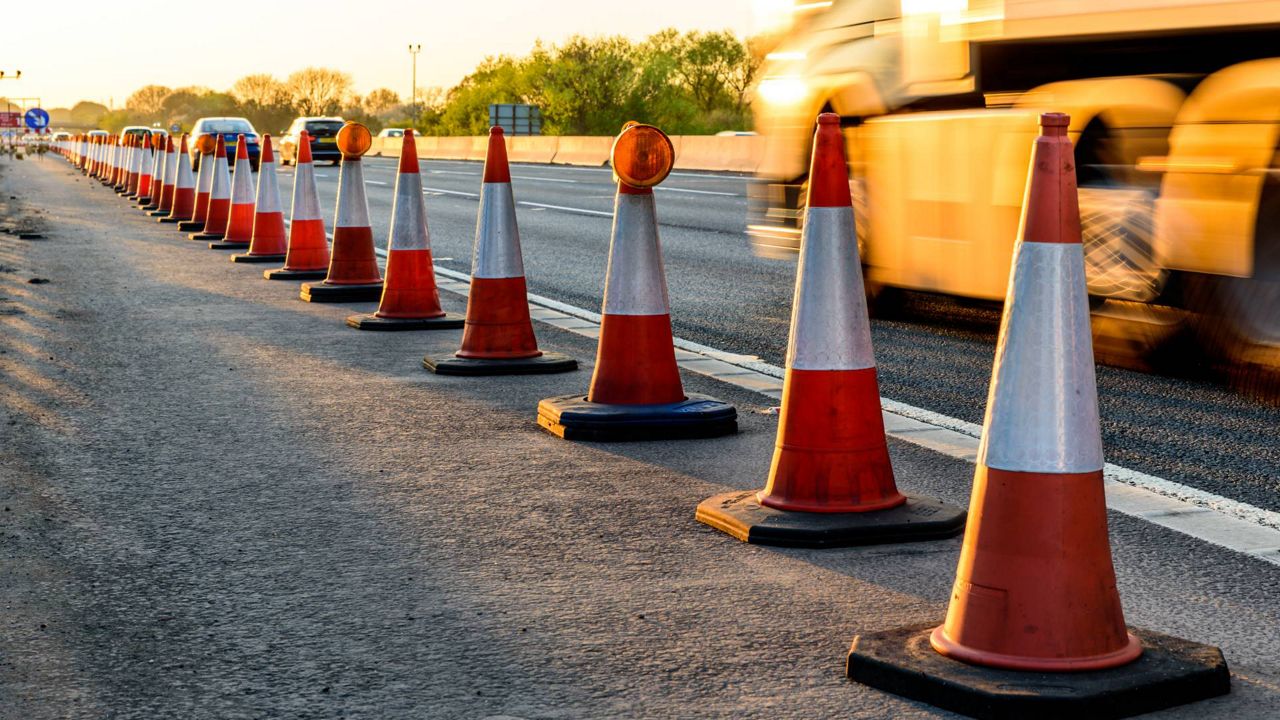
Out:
{"x": 730, "y": 153}
{"x": 739, "y": 153}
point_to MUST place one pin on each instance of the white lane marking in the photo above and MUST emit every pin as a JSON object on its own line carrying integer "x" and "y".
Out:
{"x": 698, "y": 192}
{"x": 1214, "y": 519}
{"x": 442, "y": 191}
{"x": 542, "y": 179}
{"x": 453, "y": 172}
{"x": 323, "y": 175}
{"x": 376, "y": 182}
{"x": 581, "y": 211}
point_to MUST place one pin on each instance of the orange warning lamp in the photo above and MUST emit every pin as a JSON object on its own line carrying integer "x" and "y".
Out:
{"x": 206, "y": 144}
{"x": 642, "y": 155}
{"x": 354, "y": 140}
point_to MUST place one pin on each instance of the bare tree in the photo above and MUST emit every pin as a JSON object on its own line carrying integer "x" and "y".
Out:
{"x": 318, "y": 91}
{"x": 147, "y": 101}
{"x": 380, "y": 101}
{"x": 261, "y": 89}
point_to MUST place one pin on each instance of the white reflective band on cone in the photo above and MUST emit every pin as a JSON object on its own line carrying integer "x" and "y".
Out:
{"x": 1042, "y": 412}
{"x": 496, "y": 220}
{"x": 267, "y": 198}
{"x": 157, "y": 170}
{"x": 185, "y": 181}
{"x": 242, "y": 185}
{"x": 829, "y": 326}
{"x": 204, "y": 176}
{"x": 220, "y": 187}
{"x": 353, "y": 209}
{"x": 635, "y": 283}
{"x": 408, "y": 215}
{"x": 171, "y": 167}
{"x": 306, "y": 199}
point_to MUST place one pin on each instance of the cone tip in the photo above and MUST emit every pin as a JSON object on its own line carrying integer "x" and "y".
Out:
{"x": 495, "y": 130}
{"x": 265, "y": 155}
{"x": 828, "y": 172}
{"x": 408, "y": 153}
{"x": 496, "y": 169}
{"x": 828, "y": 118}
{"x": 242, "y": 150}
{"x": 1054, "y": 123}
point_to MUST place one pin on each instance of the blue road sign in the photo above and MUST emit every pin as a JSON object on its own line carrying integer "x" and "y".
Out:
{"x": 37, "y": 119}
{"x": 175, "y": 128}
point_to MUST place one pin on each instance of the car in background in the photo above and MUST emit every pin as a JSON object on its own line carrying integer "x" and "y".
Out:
{"x": 229, "y": 128}
{"x": 388, "y": 133}
{"x": 324, "y": 139}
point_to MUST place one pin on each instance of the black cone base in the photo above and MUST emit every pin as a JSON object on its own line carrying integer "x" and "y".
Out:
{"x": 158, "y": 214}
{"x": 742, "y": 516}
{"x": 203, "y": 236}
{"x": 283, "y": 274}
{"x": 188, "y": 225}
{"x": 324, "y": 292}
{"x": 247, "y": 258}
{"x": 697, "y": 416}
{"x": 546, "y": 363}
{"x": 448, "y": 321}
{"x": 224, "y": 245}
{"x": 145, "y": 204}
{"x": 168, "y": 219}
{"x": 1170, "y": 672}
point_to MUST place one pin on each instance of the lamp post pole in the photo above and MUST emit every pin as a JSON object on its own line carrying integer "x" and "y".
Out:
{"x": 413, "y": 93}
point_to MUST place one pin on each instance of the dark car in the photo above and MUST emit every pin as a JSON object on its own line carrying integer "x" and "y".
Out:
{"x": 324, "y": 139}
{"x": 229, "y": 128}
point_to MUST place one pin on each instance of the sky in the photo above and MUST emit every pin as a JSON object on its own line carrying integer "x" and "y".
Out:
{"x": 103, "y": 50}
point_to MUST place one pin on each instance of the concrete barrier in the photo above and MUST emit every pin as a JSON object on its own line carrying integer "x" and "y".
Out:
{"x": 739, "y": 153}
{"x": 579, "y": 150}
{"x": 729, "y": 153}
{"x": 532, "y": 149}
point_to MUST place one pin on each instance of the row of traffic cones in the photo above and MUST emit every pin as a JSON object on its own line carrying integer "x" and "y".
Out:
{"x": 1035, "y": 625}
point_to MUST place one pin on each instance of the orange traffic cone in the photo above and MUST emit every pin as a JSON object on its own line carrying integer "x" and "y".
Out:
{"x": 1035, "y": 627}
{"x": 499, "y": 338}
{"x": 159, "y": 160}
{"x": 129, "y": 178}
{"x": 184, "y": 190}
{"x": 635, "y": 392}
{"x": 410, "y": 300}
{"x": 353, "y": 267}
{"x": 240, "y": 218}
{"x": 146, "y": 163}
{"x": 831, "y": 483}
{"x": 116, "y": 178}
{"x": 267, "y": 238}
{"x": 206, "y": 145}
{"x": 307, "y": 256}
{"x": 168, "y": 177}
{"x": 218, "y": 209}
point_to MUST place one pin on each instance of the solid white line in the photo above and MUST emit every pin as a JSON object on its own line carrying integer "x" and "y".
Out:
{"x": 542, "y": 179}
{"x": 566, "y": 209}
{"x": 698, "y": 192}
{"x": 442, "y": 191}
{"x": 376, "y": 182}
{"x": 1214, "y": 519}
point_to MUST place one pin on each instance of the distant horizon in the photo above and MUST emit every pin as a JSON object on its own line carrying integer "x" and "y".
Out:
{"x": 62, "y": 68}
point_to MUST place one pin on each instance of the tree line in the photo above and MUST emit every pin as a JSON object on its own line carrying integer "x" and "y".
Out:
{"x": 686, "y": 83}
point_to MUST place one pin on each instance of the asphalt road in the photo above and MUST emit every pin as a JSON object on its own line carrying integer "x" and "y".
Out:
{"x": 1194, "y": 432}
{"x": 220, "y": 502}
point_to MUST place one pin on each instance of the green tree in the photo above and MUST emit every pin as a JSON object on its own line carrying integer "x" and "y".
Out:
{"x": 147, "y": 102}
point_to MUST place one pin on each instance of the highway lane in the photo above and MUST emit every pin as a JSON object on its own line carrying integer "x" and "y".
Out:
{"x": 938, "y": 358}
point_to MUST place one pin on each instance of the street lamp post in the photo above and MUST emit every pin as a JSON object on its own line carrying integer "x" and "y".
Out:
{"x": 413, "y": 93}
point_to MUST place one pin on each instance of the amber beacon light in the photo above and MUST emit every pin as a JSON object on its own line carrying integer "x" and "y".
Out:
{"x": 642, "y": 155}
{"x": 354, "y": 140}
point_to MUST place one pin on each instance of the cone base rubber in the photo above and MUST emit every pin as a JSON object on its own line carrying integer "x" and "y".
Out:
{"x": 224, "y": 245}
{"x": 285, "y": 274}
{"x": 167, "y": 219}
{"x": 572, "y": 417}
{"x": 322, "y": 292}
{"x": 1171, "y": 671}
{"x": 544, "y": 364}
{"x": 247, "y": 258}
{"x": 202, "y": 236}
{"x": 158, "y": 214}
{"x": 741, "y": 515}
{"x": 448, "y": 321}
{"x": 187, "y": 225}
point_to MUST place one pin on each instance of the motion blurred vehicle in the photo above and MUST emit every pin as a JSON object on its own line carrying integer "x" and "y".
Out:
{"x": 385, "y": 134}
{"x": 61, "y": 136}
{"x": 229, "y": 128}
{"x": 391, "y": 133}
{"x": 1175, "y": 114}
{"x": 324, "y": 139}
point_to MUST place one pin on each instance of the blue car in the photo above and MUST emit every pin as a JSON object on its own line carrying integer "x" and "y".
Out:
{"x": 229, "y": 128}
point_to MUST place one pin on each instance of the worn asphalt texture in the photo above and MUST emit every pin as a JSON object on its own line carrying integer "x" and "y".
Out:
{"x": 221, "y": 502}
{"x": 936, "y": 354}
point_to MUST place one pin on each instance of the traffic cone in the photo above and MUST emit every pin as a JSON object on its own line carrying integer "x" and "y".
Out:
{"x": 117, "y": 162}
{"x": 184, "y": 190}
{"x": 831, "y": 483}
{"x": 218, "y": 210}
{"x": 158, "y": 161}
{"x": 267, "y": 238}
{"x": 207, "y": 146}
{"x": 146, "y": 165}
{"x": 307, "y": 255}
{"x": 1035, "y": 627}
{"x": 169, "y": 176}
{"x": 635, "y": 392}
{"x": 499, "y": 338}
{"x": 240, "y": 219}
{"x": 129, "y": 176}
{"x": 410, "y": 300}
{"x": 353, "y": 266}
